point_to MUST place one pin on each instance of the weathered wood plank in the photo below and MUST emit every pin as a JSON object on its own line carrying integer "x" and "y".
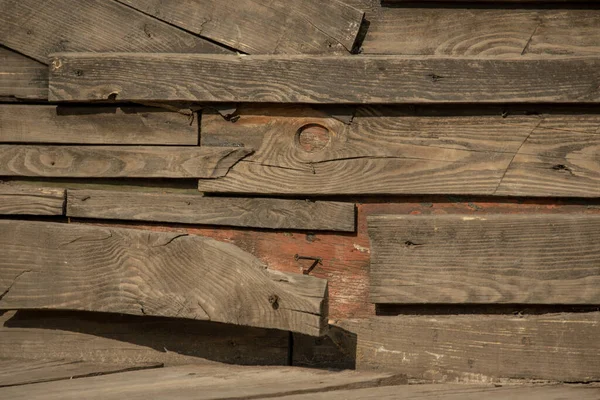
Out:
{"x": 291, "y": 79}
{"x": 26, "y": 200}
{"x": 73, "y": 25}
{"x": 22, "y": 78}
{"x": 535, "y": 259}
{"x": 481, "y": 348}
{"x": 15, "y": 372}
{"x": 206, "y": 382}
{"x": 262, "y": 26}
{"x": 80, "y": 267}
{"x": 114, "y": 161}
{"x": 196, "y": 209}
{"x": 95, "y": 125}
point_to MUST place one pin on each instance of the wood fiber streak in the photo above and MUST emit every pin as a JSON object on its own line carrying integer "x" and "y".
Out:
{"x": 38, "y": 29}
{"x": 79, "y": 267}
{"x": 263, "y": 26}
{"x": 22, "y": 200}
{"x": 22, "y": 78}
{"x": 516, "y": 259}
{"x": 117, "y": 162}
{"x": 196, "y": 209}
{"x": 292, "y": 79}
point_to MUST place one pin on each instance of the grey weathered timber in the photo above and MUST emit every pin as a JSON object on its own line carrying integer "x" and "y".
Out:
{"x": 26, "y": 200}
{"x": 516, "y": 259}
{"x": 197, "y": 209}
{"x": 206, "y": 383}
{"x": 95, "y": 125}
{"x": 22, "y": 78}
{"x": 481, "y": 348}
{"x": 79, "y": 267}
{"x": 38, "y": 29}
{"x": 263, "y": 26}
{"x": 15, "y": 372}
{"x": 292, "y": 79}
{"x": 397, "y": 150}
{"x": 117, "y": 161}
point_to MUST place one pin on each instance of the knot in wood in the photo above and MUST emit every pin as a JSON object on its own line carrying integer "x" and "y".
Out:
{"x": 274, "y": 300}
{"x": 313, "y": 137}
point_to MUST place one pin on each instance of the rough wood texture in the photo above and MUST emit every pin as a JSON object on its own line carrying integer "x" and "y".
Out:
{"x": 292, "y": 79}
{"x": 15, "y": 372}
{"x": 117, "y": 162}
{"x": 481, "y": 348}
{"x": 21, "y": 78}
{"x": 37, "y": 30}
{"x": 516, "y": 259}
{"x": 95, "y": 125}
{"x": 132, "y": 340}
{"x": 196, "y": 209}
{"x": 262, "y": 26}
{"x": 80, "y": 267}
{"x": 399, "y": 150}
{"x": 206, "y": 382}
{"x": 24, "y": 200}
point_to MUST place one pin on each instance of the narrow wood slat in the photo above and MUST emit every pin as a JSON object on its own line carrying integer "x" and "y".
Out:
{"x": 80, "y": 267}
{"x": 95, "y": 125}
{"x": 535, "y": 259}
{"x": 196, "y": 209}
{"x": 206, "y": 382}
{"x": 15, "y": 199}
{"x": 22, "y": 78}
{"x": 292, "y": 79}
{"x": 263, "y": 26}
{"x": 37, "y": 30}
{"x": 115, "y": 162}
{"x": 15, "y": 372}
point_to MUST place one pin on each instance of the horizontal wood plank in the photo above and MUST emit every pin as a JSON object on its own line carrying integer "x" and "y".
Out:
{"x": 26, "y": 200}
{"x": 95, "y": 125}
{"x": 72, "y": 25}
{"x": 21, "y": 78}
{"x": 117, "y": 162}
{"x": 263, "y": 27}
{"x": 524, "y": 259}
{"x": 80, "y": 267}
{"x": 196, "y": 209}
{"x": 291, "y": 79}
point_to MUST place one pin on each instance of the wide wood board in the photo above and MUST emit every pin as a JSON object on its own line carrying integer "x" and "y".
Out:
{"x": 27, "y": 200}
{"x": 22, "y": 78}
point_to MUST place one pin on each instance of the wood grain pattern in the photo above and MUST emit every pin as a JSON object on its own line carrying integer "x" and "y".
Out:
{"x": 25, "y": 200}
{"x": 15, "y": 372}
{"x": 79, "y": 267}
{"x": 21, "y": 78}
{"x": 114, "y": 161}
{"x": 95, "y": 125}
{"x": 292, "y": 79}
{"x": 535, "y": 259}
{"x": 206, "y": 382}
{"x": 196, "y": 209}
{"x": 37, "y": 30}
{"x": 481, "y": 348}
{"x": 262, "y": 26}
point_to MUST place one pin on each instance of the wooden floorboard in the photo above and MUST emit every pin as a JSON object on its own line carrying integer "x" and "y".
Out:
{"x": 22, "y": 78}
{"x": 26, "y": 200}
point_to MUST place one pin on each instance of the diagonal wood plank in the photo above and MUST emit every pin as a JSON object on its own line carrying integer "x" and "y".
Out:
{"x": 24, "y": 200}
{"x": 38, "y": 29}
{"x": 263, "y": 26}
{"x": 22, "y": 78}
{"x": 196, "y": 209}
{"x": 535, "y": 259}
{"x": 117, "y": 161}
{"x": 79, "y": 267}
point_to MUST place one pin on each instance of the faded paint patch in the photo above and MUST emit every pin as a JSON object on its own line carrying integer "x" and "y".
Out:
{"x": 362, "y": 249}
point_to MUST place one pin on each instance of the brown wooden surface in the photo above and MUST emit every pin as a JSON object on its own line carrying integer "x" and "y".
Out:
{"x": 15, "y": 372}
{"x": 37, "y": 30}
{"x": 481, "y": 348}
{"x": 26, "y": 200}
{"x": 79, "y": 267}
{"x": 263, "y": 27}
{"x": 206, "y": 382}
{"x": 21, "y": 78}
{"x": 95, "y": 125}
{"x": 292, "y": 79}
{"x": 117, "y": 161}
{"x": 516, "y": 259}
{"x": 196, "y": 209}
